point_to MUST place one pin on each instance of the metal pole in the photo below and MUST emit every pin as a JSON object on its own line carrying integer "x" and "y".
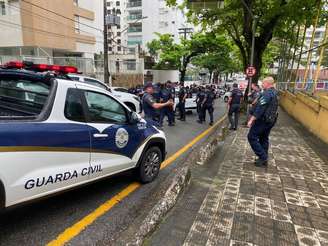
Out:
{"x": 106, "y": 70}
{"x": 309, "y": 57}
{"x": 322, "y": 49}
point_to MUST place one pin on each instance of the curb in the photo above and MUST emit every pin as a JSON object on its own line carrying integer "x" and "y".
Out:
{"x": 200, "y": 155}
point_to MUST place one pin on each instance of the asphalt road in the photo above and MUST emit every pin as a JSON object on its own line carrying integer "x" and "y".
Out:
{"x": 41, "y": 222}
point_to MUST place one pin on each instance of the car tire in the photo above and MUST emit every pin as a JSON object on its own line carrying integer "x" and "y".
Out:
{"x": 150, "y": 165}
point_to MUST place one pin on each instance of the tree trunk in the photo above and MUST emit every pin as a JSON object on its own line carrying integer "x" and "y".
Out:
{"x": 182, "y": 76}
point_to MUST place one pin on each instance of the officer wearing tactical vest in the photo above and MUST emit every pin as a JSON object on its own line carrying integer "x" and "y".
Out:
{"x": 234, "y": 106}
{"x": 199, "y": 100}
{"x": 262, "y": 121}
{"x": 150, "y": 105}
{"x": 208, "y": 104}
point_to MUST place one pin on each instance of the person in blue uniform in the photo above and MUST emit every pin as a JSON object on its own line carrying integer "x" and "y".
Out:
{"x": 199, "y": 101}
{"x": 262, "y": 121}
{"x": 182, "y": 103}
{"x": 208, "y": 104}
{"x": 165, "y": 96}
{"x": 150, "y": 106}
{"x": 234, "y": 102}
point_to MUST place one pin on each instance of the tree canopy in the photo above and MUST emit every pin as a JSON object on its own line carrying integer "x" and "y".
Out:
{"x": 271, "y": 18}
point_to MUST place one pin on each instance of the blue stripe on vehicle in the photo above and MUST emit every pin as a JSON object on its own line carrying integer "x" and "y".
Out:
{"x": 71, "y": 135}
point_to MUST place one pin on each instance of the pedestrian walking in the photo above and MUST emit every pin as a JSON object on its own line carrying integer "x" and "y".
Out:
{"x": 262, "y": 121}
{"x": 234, "y": 102}
{"x": 165, "y": 96}
{"x": 208, "y": 104}
{"x": 150, "y": 106}
{"x": 182, "y": 103}
{"x": 199, "y": 102}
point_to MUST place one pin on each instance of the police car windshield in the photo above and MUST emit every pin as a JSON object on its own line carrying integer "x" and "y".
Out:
{"x": 21, "y": 97}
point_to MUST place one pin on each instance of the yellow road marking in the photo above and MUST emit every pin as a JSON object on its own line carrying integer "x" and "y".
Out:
{"x": 78, "y": 227}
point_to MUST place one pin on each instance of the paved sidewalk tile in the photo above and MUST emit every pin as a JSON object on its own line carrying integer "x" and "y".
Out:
{"x": 283, "y": 204}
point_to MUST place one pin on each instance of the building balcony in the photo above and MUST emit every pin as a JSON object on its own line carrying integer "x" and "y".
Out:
{"x": 134, "y": 42}
{"x": 134, "y": 30}
{"x": 134, "y": 4}
{"x": 134, "y": 17}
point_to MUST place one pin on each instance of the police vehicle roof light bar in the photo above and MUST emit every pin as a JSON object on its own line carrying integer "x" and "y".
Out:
{"x": 40, "y": 67}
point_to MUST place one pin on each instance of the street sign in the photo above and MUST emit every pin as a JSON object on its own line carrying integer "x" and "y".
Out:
{"x": 251, "y": 71}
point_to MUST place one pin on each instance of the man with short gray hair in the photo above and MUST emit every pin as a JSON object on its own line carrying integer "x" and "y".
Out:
{"x": 262, "y": 121}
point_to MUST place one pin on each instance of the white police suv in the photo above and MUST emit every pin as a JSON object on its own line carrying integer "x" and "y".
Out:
{"x": 56, "y": 134}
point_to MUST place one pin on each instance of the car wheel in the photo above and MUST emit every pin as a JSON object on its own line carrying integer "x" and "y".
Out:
{"x": 150, "y": 165}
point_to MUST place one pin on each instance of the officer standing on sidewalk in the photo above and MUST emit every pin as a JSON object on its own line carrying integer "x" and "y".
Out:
{"x": 150, "y": 105}
{"x": 234, "y": 106}
{"x": 208, "y": 104}
{"x": 262, "y": 121}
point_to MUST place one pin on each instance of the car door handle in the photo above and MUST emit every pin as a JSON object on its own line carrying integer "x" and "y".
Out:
{"x": 97, "y": 135}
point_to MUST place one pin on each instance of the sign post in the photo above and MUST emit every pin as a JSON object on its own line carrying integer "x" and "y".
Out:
{"x": 251, "y": 71}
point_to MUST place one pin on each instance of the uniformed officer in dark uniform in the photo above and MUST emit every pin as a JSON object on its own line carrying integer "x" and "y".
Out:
{"x": 199, "y": 101}
{"x": 252, "y": 100}
{"x": 234, "y": 106}
{"x": 263, "y": 119}
{"x": 208, "y": 104}
{"x": 182, "y": 103}
{"x": 165, "y": 96}
{"x": 150, "y": 105}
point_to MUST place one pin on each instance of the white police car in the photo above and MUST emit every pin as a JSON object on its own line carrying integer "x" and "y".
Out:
{"x": 56, "y": 134}
{"x": 130, "y": 100}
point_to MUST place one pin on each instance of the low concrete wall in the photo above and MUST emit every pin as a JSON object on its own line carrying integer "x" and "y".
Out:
{"x": 311, "y": 113}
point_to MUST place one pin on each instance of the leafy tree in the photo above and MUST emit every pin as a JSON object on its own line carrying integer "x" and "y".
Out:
{"x": 178, "y": 56}
{"x": 271, "y": 18}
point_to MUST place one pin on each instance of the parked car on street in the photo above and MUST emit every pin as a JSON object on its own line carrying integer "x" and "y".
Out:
{"x": 57, "y": 134}
{"x": 132, "y": 101}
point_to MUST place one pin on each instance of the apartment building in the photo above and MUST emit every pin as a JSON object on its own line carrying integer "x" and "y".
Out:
{"x": 49, "y": 28}
{"x": 145, "y": 18}
{"x": 318, "y": 37}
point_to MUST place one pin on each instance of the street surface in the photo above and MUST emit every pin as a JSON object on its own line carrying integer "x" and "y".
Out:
{"x": 232, "y": 202}
{"x": 41, "y": 222}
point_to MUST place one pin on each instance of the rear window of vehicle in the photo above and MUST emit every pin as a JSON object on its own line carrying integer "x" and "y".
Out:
{"x": 20, "y": 97}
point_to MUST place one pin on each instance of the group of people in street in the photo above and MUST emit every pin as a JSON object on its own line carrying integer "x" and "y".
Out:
{"x": 158, "y": 102}
{"x": 262, "y": 109}
{"x": 262, "y": 114}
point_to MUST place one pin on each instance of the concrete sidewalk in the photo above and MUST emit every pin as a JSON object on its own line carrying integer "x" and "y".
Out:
{"x": 232, "y": 202}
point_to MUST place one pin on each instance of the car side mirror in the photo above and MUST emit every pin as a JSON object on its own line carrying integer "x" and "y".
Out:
{"x": 134, "y": 117}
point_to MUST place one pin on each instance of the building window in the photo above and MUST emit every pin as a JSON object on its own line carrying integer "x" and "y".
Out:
{"x": 118, "y": 34}
{"x": 118, "y": 11}
{"x": 110, "y": 48}
{"x": 118, "y": 26}
{"x": 108, "y": 4}
{"x": 117, "y": 3}
{"x": 131, "y": 65}
{"x": 119, "y": 48}
{"x": 77, "y": 23}
{"x": 132, "y": 50}
{"x": 2, "y": 8}
{"x": 109, "y": 11}
{"x": 135, "y": 27}
{"x": 119, "y": 41}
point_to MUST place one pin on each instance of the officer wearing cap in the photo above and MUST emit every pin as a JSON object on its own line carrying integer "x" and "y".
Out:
{"x": 208, "y": 104}
{"x": 234, "y": 106}
{"x": 150, "y": 105}
{"x": 262, "y": 121}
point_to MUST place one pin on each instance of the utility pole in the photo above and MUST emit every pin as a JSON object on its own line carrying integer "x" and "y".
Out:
{"x": 106, "y": 71}
{"x": 184, "y": 31}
